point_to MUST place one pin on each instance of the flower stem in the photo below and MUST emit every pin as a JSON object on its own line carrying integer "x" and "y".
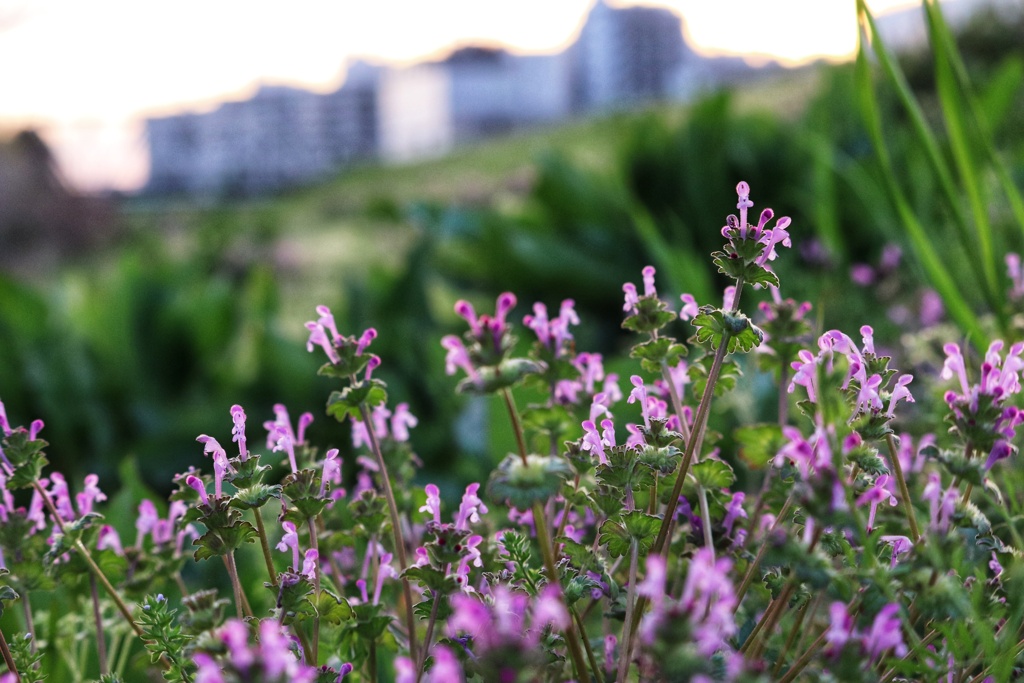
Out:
{"x": 30, "y": 626}
{"x": 236, "y": 587}
{"x": 586, "y": 642}
{"x": 314, "y": 543}
{"x": 8, "y": 659}
{"x": 794, "y": 631}
{"x": 692, "y": 444}
{"x": 265, "y": 545}
{"x": 87, "y": 556}
{"x": 908, "y": 507}
{"x": 544, "y": 540}
{"x": 97, "y": 615}
{"x": 396, "y": 530}
{"x": 804, "y": 659}
{"x": 517, "y": 425}
{"x": 749, "y": 575}
{"x": 627, "y": 654}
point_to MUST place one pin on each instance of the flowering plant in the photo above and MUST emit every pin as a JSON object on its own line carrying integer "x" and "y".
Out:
{"x": 615, "y": 543}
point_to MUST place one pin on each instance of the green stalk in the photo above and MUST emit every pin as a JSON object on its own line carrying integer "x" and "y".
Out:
{"x": 314, "y": 543}
{"x": 265, "y": 545}
{"x": 396, "y": 530}
{"x": 748, "y": 577}
{"x": 908, "y": 507}
{"x": 702, "y": 494}
{"x": 236, "y": 587}
{"x": 544, "y": 540}
{"x": 8, "y": 659}
{"x": 97, "y": 615}
{"x": 800, "y": 664}
{"x": 921, "y": 240}
{"x": 87, "y": 556}
{"x": 586, "y": 641}
{"x": 627, "y": 655}
{"x": 430, "y": 632}
{"x": 696, "y": 437}
{"x": 794, "y": 631}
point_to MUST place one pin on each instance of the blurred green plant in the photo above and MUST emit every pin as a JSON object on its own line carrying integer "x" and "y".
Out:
{"x": 963, "y": 177}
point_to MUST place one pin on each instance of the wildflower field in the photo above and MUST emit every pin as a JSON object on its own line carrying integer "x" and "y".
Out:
{"x": 691, "y": 439}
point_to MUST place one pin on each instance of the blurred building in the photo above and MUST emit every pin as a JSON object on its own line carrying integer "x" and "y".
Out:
{"x": 280, "y": 137}
{"x": 476, "y": 92}
{"x": 623, "y": 57}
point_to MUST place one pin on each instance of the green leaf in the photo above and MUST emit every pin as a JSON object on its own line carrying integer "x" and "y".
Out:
{"x": 349, "y": 401}
{"x": 651, "y": 315}
{"x": 333, "y": 609}
{"x": 255, "y": 496}
{"x": 217, "y": 542}
{"x": 713, "y": 325}
{"x": 654, "y": 352}
{"x": 494, "y": 378}
{"x": 713, "y": 474}
{"x": 431, "y": 579}
{"x": 632, "y": 526}
{"x": 522, "y": 485}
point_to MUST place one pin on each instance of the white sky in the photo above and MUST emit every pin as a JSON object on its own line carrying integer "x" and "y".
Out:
{"x": 85, "y": 73}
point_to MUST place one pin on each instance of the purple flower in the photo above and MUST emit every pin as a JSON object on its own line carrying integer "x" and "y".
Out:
{"x": 734, "y": 511}
{"x": 639, "y": 393}
{"x": 458, "y": 357}
{"x": 708, "y": 597}
{"x": 401, "y": 421}
{"x": 446, "y": 668}
{"x": 433, "y": 504}
{"x": 1013, "y": 270}
{"x": 280, "y": 436}
{"x": 840, "y": 629}
{"x": 238, "y": 431}
{"x": 290, "y": 540}
{"x": 886, "y": 633}
{"x": 900, "y": 545}
{"x": 108, "y": 538}
{"x": 875, "y": 495}
{"x": 331, "y": 471}
{"x": 90, "y": 494}
{"x": 200, "y": 488}
{"x": 470, "y": 508}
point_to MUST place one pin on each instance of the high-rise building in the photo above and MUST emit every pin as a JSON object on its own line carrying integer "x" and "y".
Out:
{"x": 626, "y": 55}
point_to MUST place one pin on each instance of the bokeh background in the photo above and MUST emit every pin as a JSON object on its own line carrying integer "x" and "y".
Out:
{"x": 179, "y": 189}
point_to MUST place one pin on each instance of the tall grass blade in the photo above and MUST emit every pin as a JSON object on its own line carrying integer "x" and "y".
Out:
{"x": 961, "y": 145}
{"x": 941, "y": 35}
{"x": 921, "y": 241}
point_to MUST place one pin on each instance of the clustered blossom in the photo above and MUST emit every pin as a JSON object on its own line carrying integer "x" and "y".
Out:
{"x": 632, "y": 298}
{"x": 592, "y": 381}
{"x": 553, "y": 334}
{"x": 501, "y": 620}
{"x": 488, "y": 334}
{"x": 708, "y": 601}
{"x": 281, "y": 436}
{"x": 885, "y": 634}
{"x": 386, "y": 425}
{"x": 871, "y": 394}
{"x": 769, "y": 237}
{"x": 273, "y": 659}
{"x": 466, "y": 544}
{"x": 980, "y": 410}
